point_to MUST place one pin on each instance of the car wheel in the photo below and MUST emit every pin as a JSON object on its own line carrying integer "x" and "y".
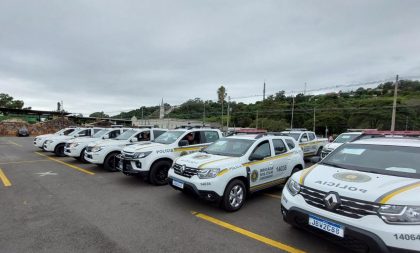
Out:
{"x": 234, "y": 196}
{"x": 318, "y": 153}
{"x": 59, "y": 150}
{"x": 110, "y": 163}
{"x": 82, "y": 156}
{"x": 159, "y": 172}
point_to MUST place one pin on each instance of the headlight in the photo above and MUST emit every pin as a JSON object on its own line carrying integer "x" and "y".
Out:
{"x": 400, "y": 214}
{"x": 74, "y": 144}
{"x": 49, "y": 141}
{"x": 207, "y": 173}
{"x": 141, "y": 154}
{"x": 97, "y": 148}
{"x": 293, "y": 187}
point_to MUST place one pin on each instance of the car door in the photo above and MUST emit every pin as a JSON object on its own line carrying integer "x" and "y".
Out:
{"x": 195, "y": 143}
{"x": 282, "y": 163}
{"x": 304, "y": 143}
{"x": 313, "y": 143}
{"x": 262, "y": 171}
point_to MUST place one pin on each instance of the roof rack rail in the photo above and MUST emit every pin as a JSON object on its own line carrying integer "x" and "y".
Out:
{"x": 376, "y": 134}
{"x": 296, "y": 129}
{"x": 270, "y": 134}
{"x": 361, "y": 130}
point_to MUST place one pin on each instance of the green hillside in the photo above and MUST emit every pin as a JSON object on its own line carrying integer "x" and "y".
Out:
{"x": 361, "y": 108}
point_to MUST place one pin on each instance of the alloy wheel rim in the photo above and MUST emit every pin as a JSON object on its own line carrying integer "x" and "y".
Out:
{"x": 236, "y": 196}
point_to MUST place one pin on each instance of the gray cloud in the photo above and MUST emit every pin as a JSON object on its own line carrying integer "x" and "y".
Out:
{"x": 117, "y": 55}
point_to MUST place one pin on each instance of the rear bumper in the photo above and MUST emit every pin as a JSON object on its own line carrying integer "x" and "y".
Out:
{"x": 355, "y": 238}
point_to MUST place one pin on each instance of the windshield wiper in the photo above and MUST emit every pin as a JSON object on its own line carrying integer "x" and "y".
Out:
{"x": 333, "y": 165}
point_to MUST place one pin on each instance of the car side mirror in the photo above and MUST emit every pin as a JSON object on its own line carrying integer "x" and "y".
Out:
{"x": 134, "y": 139}
{"x": 183, "y": 143}
{"x": 76, "y": 135}
{"x": 315, "y": 159}
{"x": 256, "y": 157}
{"x": 106, "y": 136}
{"x": 304, "y": 140}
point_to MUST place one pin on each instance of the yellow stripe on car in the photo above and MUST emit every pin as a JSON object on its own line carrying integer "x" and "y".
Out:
{"x": 188, "y": 149}
{"x": 305, "y": 173}
{"x": 267, "y": 159}
{"x": 222, "y": 172}
{"x": 207, "y": 163}
{"x": 389, "y": 195}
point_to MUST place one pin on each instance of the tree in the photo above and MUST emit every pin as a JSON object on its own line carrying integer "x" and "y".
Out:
{"x": 99, "y": 115}
{"x": 221, "y": 96}
{"x": 7, "y": 101}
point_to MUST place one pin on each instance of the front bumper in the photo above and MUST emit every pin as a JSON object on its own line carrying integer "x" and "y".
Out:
{"x": 73, "y": 151}
{"x": 367, "y": 234}
{"x": 94, "y": 157}
{"x": 209, "y": 189}
{"x": 130, "y": 167}
{"x": 49, "y": 146}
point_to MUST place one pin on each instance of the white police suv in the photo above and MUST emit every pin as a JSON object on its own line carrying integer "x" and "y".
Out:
{"x": 153, "y": 160}
{"x": 103, "y": 152}
{"x": 76, "y": 147}
{"x": 40, "y": 139}
{"x": 234, "y": 166}
{"x": 308, "y": 141}
{"x": 364, "y": 195}
{"x": 340, "y": 140}
{"x": 56, "y": 143}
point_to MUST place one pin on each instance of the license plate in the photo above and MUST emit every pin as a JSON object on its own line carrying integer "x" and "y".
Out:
{"x": 327, "y": 226}
{"x": 178, "y": 184}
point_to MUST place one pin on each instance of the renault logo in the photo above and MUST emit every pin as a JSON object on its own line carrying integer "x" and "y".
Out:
{"x": 332, "y": 201}
{"x": 183, "y": 167}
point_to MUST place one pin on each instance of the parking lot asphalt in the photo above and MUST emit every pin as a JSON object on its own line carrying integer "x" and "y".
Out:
{"x": 57, "y": 204}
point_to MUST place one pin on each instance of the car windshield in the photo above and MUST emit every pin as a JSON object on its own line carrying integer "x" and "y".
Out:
{"x": 67, "y": 131}
{"x": 169, "y": 137}
{"x": 294, "y": 135}
{"x": 101, "y": 133}
{"x": 344, "y": 138}
{"x": 76, "y": 132}
{"x": 229, "y": 147}
{"x": 382, "y": 159}
{"x": 126, "y": 135}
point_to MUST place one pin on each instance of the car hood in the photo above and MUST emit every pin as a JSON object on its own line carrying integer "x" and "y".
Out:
{"x": 144, "y": 146}
{"x": 60, "y": 138}
{"x": 203, "y": 160}
{"x": 83, "y": 140}
{"x": 44, "y": 136}
{"x": 366, "y": 186}
{"x": 333, "y": 145}
{"x": 107, "y": 143}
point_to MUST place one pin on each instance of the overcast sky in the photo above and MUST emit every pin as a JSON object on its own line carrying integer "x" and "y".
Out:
{"x": 118, "y": 55}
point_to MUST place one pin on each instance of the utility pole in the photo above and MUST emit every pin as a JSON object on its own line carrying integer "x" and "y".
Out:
{"x": 204, "y": 112}
{"x": 228, "y": 114}
{"x": 314, "y": 121}
{"x": 304, "y": 91}
{"x": 406, "y": 123}
{"x": 256, "y": 124}
{"x": 142, "y": 115}
{"x": 293, "y": 111}
{"x": 264, "y": 91}
{"x": 394, "y": 106}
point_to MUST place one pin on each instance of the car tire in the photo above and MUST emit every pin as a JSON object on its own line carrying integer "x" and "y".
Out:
{"x": 82, "y": 156}
{"x": 234, "y": 196}
{"x": 295, "y": 169}
{"x": 318, "y": 153}
{"x": 109, "y": 162}
{"x": 59, "y": 150}
{"x": 159, "y": 172}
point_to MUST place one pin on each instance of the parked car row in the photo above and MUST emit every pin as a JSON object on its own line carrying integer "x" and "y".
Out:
{"x": 361, "y": 193}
